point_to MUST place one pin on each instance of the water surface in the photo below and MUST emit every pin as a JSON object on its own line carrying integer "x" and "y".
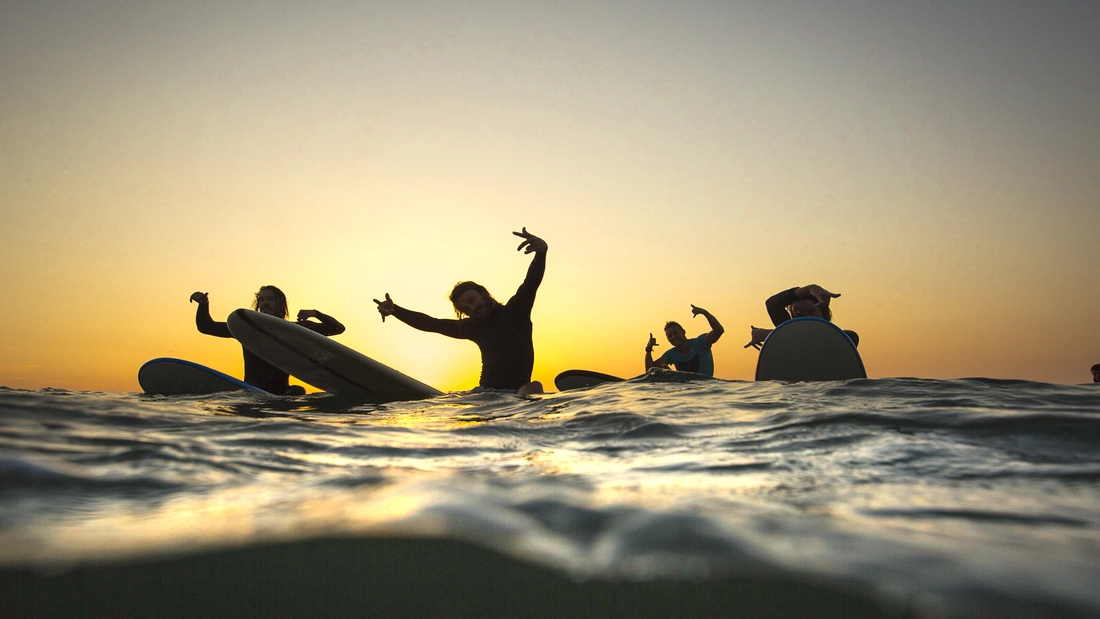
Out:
{"x": 971, "y": 497}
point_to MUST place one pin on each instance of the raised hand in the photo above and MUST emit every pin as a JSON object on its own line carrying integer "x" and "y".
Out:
{"x": 817, "y": 292}
{"x": 757, "y": 337}
{"x": 199, "y": 297}
{"x": 531, "y": 243}
{"x": 386, "y": 308}
{"x": 652, "y": 342}
{"x": 303, "y": 315}
{"x": 695, "y": 311}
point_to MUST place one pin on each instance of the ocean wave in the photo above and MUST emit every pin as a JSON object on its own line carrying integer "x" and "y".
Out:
{"x": 970, "y": 494}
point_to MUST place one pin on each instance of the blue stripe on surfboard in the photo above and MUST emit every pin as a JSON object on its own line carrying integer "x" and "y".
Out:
{"x": 236, "y": 383}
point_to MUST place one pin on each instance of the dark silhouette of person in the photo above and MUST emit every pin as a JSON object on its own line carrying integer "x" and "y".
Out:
{"x": 811, "y": 300}
{"x": 502, "y": 332}
{"x": 1096, "y": 373}
{"x": 257, "y": 372}
{"x": 687, "y": 355}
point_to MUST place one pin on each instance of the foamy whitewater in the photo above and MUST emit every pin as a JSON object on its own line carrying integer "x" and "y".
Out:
{"x": 893, "y": 497}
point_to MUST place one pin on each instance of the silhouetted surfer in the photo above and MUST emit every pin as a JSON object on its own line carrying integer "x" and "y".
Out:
{"x": 1096, "y": 373}
{"x": 502, "y": 332}
{"x": 257, "y": 372}
{"x": 687, "y": 355}
{"x": 812, "y": 300}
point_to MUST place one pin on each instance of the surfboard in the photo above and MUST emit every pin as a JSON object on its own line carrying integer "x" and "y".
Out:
{"x": 576, "y": 379}
{"x": 808, "y": 349}
{"x": 167, "y": 376}
{"x": 323, "y": 362}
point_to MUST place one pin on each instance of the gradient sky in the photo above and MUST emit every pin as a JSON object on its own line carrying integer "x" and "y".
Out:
{"x": 937, "y": 163}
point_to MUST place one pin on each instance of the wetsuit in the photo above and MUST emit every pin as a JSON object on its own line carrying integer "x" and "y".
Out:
{"x": 257, "y": 372}
{"x": 507, "y": 353}
{"x": 777, "y": 310}
{"x": 699, "y": 358}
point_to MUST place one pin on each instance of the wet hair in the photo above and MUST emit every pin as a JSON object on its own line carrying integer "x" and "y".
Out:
{"x": 278, "y": 293}
{"x": 826, "y": 311}
{"x": 672, "y": 323}
{"x": 461, "y": 288}
{"x": 1096, "y": 368}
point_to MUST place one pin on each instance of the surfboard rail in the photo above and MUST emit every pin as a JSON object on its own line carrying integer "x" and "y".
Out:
{"x": 169, "y": 376}
{"x": 321, "y": 361}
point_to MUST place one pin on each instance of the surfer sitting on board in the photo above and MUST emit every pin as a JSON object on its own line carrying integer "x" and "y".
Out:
{"x": 502, "y": 332}
{"x": 812, "y": 300}
{"x": 257, "y": 372}
{"x": 687, "y": 355}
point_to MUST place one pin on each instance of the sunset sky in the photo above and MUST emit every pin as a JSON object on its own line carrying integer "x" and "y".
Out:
{"x": 937, "y": 163}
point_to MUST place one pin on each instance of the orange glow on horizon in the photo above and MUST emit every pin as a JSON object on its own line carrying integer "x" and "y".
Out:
{"x": 706, "y": 155}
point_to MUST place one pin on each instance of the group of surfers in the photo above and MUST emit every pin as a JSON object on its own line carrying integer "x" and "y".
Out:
{"x": 503, "y": 331}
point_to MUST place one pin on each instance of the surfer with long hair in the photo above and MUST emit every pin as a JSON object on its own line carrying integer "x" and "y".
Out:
{"x": 503, "y": 332}
{"x": 272, "y": 301}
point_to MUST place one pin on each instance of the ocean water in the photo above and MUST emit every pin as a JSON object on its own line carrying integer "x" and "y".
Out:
{"x": 653, "y": 497}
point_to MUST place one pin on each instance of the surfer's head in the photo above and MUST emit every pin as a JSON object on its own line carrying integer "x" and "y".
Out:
{"x": 270, "y": 300}
{"x": 675, "y": 334}
{"x": 1096, "y": 373}
{"x": 810, "y": 307}
{"x": 473, "y": 300}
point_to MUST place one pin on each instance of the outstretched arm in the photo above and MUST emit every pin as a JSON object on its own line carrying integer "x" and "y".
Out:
{"x": 416, "y": 320}
{"x": 327, "y": 326}
{"x": 649, "y": 362}
{"x": 203, "y": 321}
{"x": 525, "y": 296}
{"x": 716, "y": 329}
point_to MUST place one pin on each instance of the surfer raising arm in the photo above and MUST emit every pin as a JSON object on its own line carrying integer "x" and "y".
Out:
{"x": 327, "y": 325}
{"x": 692, "y": 355}
{"x": 269, "y": 300}
{"x": 503, "y": 332}
{"x": 811, "y": 300}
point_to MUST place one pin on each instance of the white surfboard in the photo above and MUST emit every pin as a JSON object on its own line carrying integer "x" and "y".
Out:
{"x": 806, "y": 349}
{"x": 323, "y": 362}
{"x": 167, "y": 376}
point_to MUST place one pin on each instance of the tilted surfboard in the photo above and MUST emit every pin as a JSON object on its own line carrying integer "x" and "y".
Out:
{"x": 806, "y": 349}
{"x": 576, "y": 379}
{"x": 167, "y": 376}
{"x": 323, "y": 362}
